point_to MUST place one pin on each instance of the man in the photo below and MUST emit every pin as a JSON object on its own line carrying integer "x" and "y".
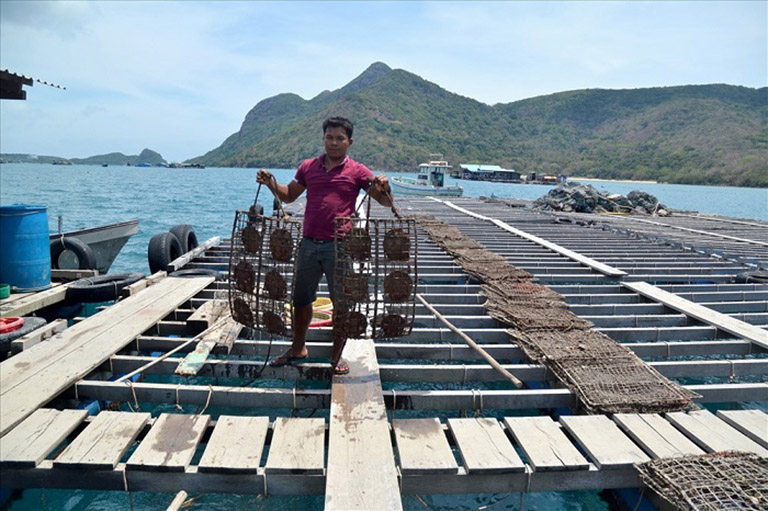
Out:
{"x": 333, "y": 182}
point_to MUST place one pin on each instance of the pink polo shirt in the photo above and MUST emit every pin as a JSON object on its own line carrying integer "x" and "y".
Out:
{"x": 330, "y": 193}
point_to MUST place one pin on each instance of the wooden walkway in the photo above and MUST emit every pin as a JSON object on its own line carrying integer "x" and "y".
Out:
{"x": 574, "y": 452}
{"x": 417, "y": 415}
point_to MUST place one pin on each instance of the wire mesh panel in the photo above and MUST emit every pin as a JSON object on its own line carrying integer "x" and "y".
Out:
{"x": 261, "y": 270}
{"x": 717, "y": 481}
{"x": 376, "y": 277}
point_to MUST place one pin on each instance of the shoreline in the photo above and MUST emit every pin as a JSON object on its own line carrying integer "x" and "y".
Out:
{"x": 648, "y": 182}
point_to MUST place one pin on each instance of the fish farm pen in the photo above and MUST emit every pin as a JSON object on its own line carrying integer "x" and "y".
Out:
{"x": 543, "y": 352}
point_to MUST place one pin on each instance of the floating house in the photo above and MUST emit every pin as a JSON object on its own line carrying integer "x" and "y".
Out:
{"x": 477, "y": 172}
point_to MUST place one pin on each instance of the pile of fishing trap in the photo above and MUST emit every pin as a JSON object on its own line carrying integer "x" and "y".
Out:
{"x": 376, "y": 268}
{"x": 709, "y": 482}
{"x": 606, "y": 376}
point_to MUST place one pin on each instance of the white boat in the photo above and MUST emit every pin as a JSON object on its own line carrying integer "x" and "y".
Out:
{"x": 429, "y": 181}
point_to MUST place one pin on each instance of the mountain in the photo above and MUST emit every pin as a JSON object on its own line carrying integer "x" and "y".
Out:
{"x": 146, "y": 156}
{"x": 697, "y": 134}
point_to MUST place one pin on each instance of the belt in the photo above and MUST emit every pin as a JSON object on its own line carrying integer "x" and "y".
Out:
{"x": 319, "y": 241}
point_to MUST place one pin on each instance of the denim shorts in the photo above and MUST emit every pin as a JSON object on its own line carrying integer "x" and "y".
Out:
{"x": 315, "y": 259}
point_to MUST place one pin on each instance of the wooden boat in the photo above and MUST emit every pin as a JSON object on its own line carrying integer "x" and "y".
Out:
{"x": 429, "y": 181}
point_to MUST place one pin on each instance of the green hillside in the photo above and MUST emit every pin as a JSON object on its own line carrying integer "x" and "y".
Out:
{"x": 703, "y": 134}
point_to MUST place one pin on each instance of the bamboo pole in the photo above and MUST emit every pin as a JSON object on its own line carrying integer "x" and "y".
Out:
{"x": 492, "y": 361}
{"x": 178, "y": 501}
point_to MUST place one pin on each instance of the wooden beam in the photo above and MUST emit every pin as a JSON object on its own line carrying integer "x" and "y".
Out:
{"x": 570, "y": 254}
{"x": 34, "y": 301}
{"x": 36, "y": 336}
{"x": 726, "y": 323}
{"x": 361, "y": 463}
{"x": 180, "y": 262}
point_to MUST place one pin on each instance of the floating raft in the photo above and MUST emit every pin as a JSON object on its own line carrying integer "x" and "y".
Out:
{"x": 425, "y": 414}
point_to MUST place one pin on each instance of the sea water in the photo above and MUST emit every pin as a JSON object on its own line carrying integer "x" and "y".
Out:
{"x": 87, "y": 196}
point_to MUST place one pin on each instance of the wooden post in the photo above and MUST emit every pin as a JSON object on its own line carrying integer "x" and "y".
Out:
{"x": 509, "y": 376}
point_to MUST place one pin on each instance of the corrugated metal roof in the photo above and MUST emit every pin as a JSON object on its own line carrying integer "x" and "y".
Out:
{"x": 473, "y": 167}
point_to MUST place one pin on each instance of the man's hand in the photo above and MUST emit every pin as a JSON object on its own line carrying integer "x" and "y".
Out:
{"x": 264, "y": 177}
{"x": 381, "y": 182}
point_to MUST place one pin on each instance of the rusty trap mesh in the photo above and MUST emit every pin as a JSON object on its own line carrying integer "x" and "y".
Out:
{"x": 527, "y": 317}
{"x": 548, "y": 345}
{"x": 620, "y": 385}
{"x": 709, "y": 482}
{"x": 606, "y": 376}
{"x": 261, "y": 269}
{"x": 377, "y": 265}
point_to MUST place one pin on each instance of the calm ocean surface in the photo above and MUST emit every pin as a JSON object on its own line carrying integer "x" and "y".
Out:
{"x": 87, "y": 196}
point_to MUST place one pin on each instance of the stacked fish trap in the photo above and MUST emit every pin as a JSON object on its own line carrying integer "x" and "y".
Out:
{"x": 261, "y": 270}
{"x": 376, "y": 270}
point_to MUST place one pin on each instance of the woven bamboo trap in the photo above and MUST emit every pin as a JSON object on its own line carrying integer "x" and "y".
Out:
{"x": 376, "y": 277}
{"x": 261, "y": 269}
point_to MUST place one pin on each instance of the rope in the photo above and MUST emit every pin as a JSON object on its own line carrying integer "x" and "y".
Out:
{"x": 207, "y": 401}
{"x": 178, "y": 406}
{"x": 125, "y": 480}
{"x": 394, "y": 403}
{"x": 135, "y": 399}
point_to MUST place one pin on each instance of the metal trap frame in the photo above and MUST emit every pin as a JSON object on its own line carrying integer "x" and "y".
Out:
{"x": 377, "y": 275}
{"x": 261, "y": 271}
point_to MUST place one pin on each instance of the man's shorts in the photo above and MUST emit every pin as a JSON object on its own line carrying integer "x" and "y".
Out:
{"x": 315, "y": 259}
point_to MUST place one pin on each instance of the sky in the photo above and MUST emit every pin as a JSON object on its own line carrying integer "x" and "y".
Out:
{"x": 178, "y": 77}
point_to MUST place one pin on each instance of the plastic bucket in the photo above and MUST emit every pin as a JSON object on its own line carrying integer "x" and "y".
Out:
{"x": 25, "y": 254}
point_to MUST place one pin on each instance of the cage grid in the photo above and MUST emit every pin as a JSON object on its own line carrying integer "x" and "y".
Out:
{"x": 709, "y": 482}
{"x": 261, "y": 271}
{"x": 376, "y": 268}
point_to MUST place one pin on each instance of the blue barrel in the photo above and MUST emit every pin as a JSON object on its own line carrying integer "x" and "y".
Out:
{"x": 25, "y": 253}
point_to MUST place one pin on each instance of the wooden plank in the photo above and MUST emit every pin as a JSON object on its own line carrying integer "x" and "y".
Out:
{"x": 235, "y": 445}
{"x": 180, "y": 262}
{"x": 104, "y": 442}
{"x": 423, "y": 447}
{"x": 143, "y": 284}
{"x": 484, "y": 446}
{"x": 170, "y": 444}
{"x": 37, "y": 436}
{"x": 704, "y": 314}
{"x": 361, "y": 463}
{"x": 34, "y": 301}
{"x": 223, "y": 334}
{"x": 298, "y": 446}
{"x": 655, "y": 435}
{"x": 36, "y": 336}
{"x": 753, "y": 423}
{"x": 206, "y": 315}
{"x": 33, "y": 377}
{"x": 178, "y": 501}
{"x": 602, "y": 440}
{"x": 545, "y": 445}
{"x": 570, "y": 254}
{"x": 69, "y": 274}
{"x": 713, "y": 434}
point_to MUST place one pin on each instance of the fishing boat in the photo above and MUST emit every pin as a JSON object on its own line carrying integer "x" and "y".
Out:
{"x": 429, "y": 181}
{"x": 103, "y": 243}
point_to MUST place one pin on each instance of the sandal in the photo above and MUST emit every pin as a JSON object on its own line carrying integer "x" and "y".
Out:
{"x": 340, "y": 367}
{"x": 286, "y": 360}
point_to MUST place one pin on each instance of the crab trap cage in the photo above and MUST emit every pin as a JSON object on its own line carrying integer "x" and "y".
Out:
{"x": 261, "y": 270}
{"x": 376, "y": 277}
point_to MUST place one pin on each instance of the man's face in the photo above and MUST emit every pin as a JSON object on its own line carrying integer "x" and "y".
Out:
{"x": 336, "y": 142}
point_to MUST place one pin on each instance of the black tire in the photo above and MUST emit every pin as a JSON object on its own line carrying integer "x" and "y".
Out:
{"x": 164, "y": 248}
{"x": 186, "y": 236}
{"x": 101, "y": 288}
{"x": 751, "y": 277}
{"x": 196, "y": 272}
{"x": 30, "y": 323}
{"x": 85, "y": 258}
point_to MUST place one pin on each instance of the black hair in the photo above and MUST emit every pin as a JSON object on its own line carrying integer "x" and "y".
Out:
{"x": 338, "y": 122}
